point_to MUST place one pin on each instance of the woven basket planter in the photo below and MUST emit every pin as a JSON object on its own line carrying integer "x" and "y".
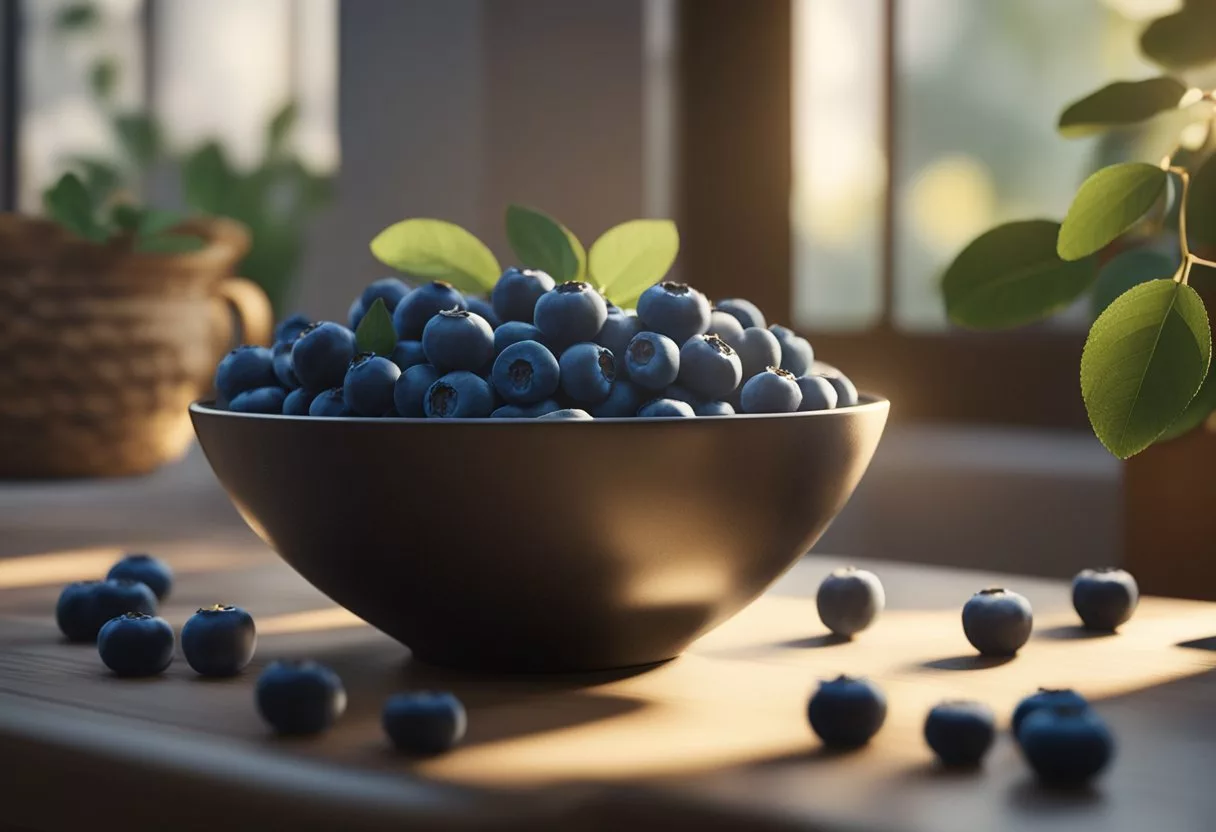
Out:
{"x": 102, "y": 349}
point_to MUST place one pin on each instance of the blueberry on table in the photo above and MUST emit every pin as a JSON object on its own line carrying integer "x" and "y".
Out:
{"x": 709, "y": 367}
{"x": 525, "y": 373}
{"x": 569, "y": 414}
{"x": 458, "y": 395}
{"x": 219, "y": 640}
{"x": 330, "y": 403}
{"x": 796, "y": 353}
{"x": 297, "y": 402}
{"x": 299, "y": 698}
{"x": 321, "y": 355}
{"x": 674, "y": 309}
{"x": 84, "y": 606}
{"x": 616, "y": 333}
{"x": 997, "y": 622}
{"x": 482, "y": 308}
{"x": 391, "y": 290}
{"x": 666, "y": 409}
{"x": 136, "y": 644}
{"x": 817, "y": 393}
{"x": 622, "y": 403}
{"x": 1066, "y": 745}
{"x": 408, "y": 353}
{"x": 425, "y": 722}
{"x": 587, "y": 372}
{"x": 290, "y": 328}
{"x": 773, "y": 391}
{"x": 261, "y": 400}
{"x": 569, "y": 313}
{"x": 355, "y": 313}
{"x": 713, "y": 409}
{"x": 153, "y": 572}
{"x": 515, "y": 294}
{"x": 512, "y": 332}
{"x": 1104, "y": 598}
{"x": 849, "y": 600}
{"x": 419, "y": 306}
{"x": 847, "y": 712}
{"x": 1045, "y": 698}
{"x": 456, "y": 339}
{"x": 245, "y": 368}
{"x": 652, "y": 360}
{"x": 368, "y": 387}
{"x": 410, "y": 390}
{"x": 284, "y": 371}
{"x": 960, "y": 733}
{"x": 525, "y": 411}
{"x": 725, "y": 325}
{"x": 743, "y": 311}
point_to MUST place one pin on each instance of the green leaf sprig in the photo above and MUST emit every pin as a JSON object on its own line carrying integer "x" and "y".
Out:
{"x": 151, "y": 231}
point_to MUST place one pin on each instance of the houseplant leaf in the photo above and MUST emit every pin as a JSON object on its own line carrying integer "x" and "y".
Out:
{"x": 207, "y": 179}
{"x": 1182, "y": 40}
{"x": 103, "y": 78}
{"x": 76, "y": 17}
{"x": 1108, "y": 203}
{"x": 69, "y": 204}
{"x": 630, "y": 257}
{"x": 375, "y": 332}
{"x": 541, "y": 242}
{"x": 99, "y": 176}
{"x": 279, "y": 127}
{"x": 1201, "y": 203}
{"x": 1128, "y": 269}
{"x": 1120, "y": 104}
{"x": 1011, "y": 276}
{"x": 139, "y": 136}
{"x": 1145, "y": 358}
{"x": 154, "y": 221}
{"x": 438, "y": 250}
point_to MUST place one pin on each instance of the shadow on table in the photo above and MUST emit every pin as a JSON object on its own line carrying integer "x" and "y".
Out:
{"x": 1072, "y": 632}
{"x": 970, "y": 661}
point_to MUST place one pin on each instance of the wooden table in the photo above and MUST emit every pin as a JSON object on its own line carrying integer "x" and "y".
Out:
{"x": 716, "y": 739}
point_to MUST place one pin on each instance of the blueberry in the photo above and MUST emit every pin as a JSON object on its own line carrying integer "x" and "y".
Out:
{"x": 849, "y": 600}
{"x": 425, "y": 722}
{"x": 572, "y": 312}
{"x": 412, "y": 314}
{"x": 997, "y": 622}
{"x": 321, "y": 355}
{"x": 459, "y": 395}
{"x": 846, "y": 393}
{"x": 408, "y": 353}
{"x": 290, "y": 328}
{"x": 709, "y": 368}
{"x": 300, "y": 697}
{"x": 674, "y": 309}
{"x": 219, "y": 640}
{"x": 354, "y": 314}
{"x": 411, "y": 389}
{"x": 1066, "y": 746}
{"x": 773, "y": 391}
{"x": 1043, "y": 698}
{"x": 1104, "y": 598}
{"x": 525, "y": 373}
{"x": 817, "y": 393}
{"x": 74, "y": 613}
{"x": 245, "y": 368}
{"x": 512, "y": 332}
{"x": 758, "y": 350}
{"x": 623, "y": 402}
{"x": 666, "y": 409}
{"x": 84, "y": 607}
{"x": 796, "y": 353}
{"x": 458, "y": 340}
{"x": 136, "y": 644}
{"x": 527, "y": 411}
{"x": 652, "y": 360}
{"x": 517, "y": 291}
{"x": 391, "y": 290}
{"x": 681, "y": 394}
{"x": 369, "y": 384}
{"x": 482, "y": 307}
{"x": 726, "y": 326}
{"x": 569, "y": 414}
{"x": 743, "y": 311}
{"x": 284, "y": 371}
{"x": 329, "y": 403}
{"x": 713, "y": 409}
{"x": 587, "y": 372}
{"x": 153, "y": 572}
{"x": 960, "y": 733}
{"x": 846, "y": 712}
{"x": 261, "y": 400}
{"x": 616, "y": 333}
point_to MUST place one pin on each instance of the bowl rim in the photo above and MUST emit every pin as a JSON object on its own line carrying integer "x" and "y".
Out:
{"x": 867, "y": 403}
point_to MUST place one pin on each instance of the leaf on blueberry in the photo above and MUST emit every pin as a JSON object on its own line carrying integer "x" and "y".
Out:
{"x": 375, "y": 332}
{"x": 438, "y": 250}
{"x": 632, "y": 256}
{"x": 541, "y": 242}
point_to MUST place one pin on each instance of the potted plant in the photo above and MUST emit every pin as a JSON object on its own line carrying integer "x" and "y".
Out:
{"x": 1135, "y": 241}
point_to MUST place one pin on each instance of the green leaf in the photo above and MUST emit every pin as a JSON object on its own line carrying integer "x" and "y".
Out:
{"x": 169, "y": 244}
{"x": 155, "y": 221}
{"x": 100, "y": 177}
{"x": 1120, "y": 104}
{"x": 1182, "y": 40}
{"x": 1145, "y": 358}
{"x": 1196, "y": 413}
{"x": 126, "y": 216}
{"x": 69, "y": 204}
{"x": 375, "y": 332}
{"x": 1128, "y": 269}
{"x": 630, "y": 257}
{"x": 1201, "y": 203}
{"x": 438, "y": 250}
{"x": 1108, "y": 203}
{"x": 103, "y": 78}
{"x": 280, "y": 125}
{"x": 207, "y": 179}
{"x": 77, "y": 17}
{"x": 541, "y": 242}
{"x": 139, "y": 136}
{"x": 1011, "y": 276}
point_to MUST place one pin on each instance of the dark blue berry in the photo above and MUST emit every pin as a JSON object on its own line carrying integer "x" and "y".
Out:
{"x": 290, "y": 328}
{"x": 849, "y": 600}
{"x": 758, "y": 350}
{"x": 666, "y": 409}
{"x": 773, "y": 391}
{"x": 569, "y": 414}
{"x": 616, "y": 333}
{"x": 652, "y": 360}
{"x": 284, "y": 371}
{"x": 516, "y": 292}
{"x": 709, "y": 368}
{"x": 1104, "y": 598}
{"x": 412, "y": 314}
{"x": 300, "y": 698}
{"x": 796, "y": 352}
{"x": 482, "y": 307}
{"x": 425, "y": 722}
{"x": 459, "y": 395}
{"x": 572, "y": 312}
{"x": 713, "y": 409}
{"x": 136, "y": 644}
{"x": 623, "y": 402}
{"x": 1044, "y": 698}
{"x": 526, "y": 411}
{"x": 726, "y": 326}
{"x": 329, "y": 403}
{"x": 261, "y": 400}
{"x": 321, "y": 355}
{"x": 847, "y": 712}
{"x": 219, "y": 640}
{"x": 354, "y": 314}
{"x": 411, "y": 388}
{"x": 682, "y": 394}
{"x": 111, "y": 598}
{"x": 1066, "y": 746}
{"x": 391, "y": 290}
{"x": 743, "y": 311}
{"x": 997, "y": 622}
{"x": 587, "y": 372}
{"x": 512, "y": 332}
{"x": 817, "y": 393}
{"x": 846, "y": 393}
{"x": 525, "y": 373}
{"x": 408, "y": 353}
{"x": 674, "y": 309}
{"x": 960, "y": 733}
{"x": 369, "y": 384}
{"x": 245, "y": 368}
{"x": 153, "y": 572}
{"x": 458, "y": 340}
{"x": 74, "y": 613}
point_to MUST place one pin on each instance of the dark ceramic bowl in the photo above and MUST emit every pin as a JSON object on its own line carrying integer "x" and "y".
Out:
{"x": 540, "y": 545}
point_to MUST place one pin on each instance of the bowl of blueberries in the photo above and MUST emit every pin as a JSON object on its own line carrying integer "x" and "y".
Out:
{"x": 538, "y": 480}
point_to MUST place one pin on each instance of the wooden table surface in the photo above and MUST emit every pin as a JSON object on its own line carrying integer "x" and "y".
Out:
{"x": 716, "y": 739}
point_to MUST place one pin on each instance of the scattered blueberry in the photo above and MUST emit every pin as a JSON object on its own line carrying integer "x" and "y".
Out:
{"x": 817, "y": 393}
{"x": 525, "y": 373}
{"x": 512, "y": 332}
{"x": 587, "y": 372}
{"x": 458, "y": 395}
{"x": 847, "y": 712}
{"x": 743, "y": 311}
{"x": 960, "y": 733}
{"x": 758, "y": 350}
{"x": 773, "y": 391}
{"x": 424, "y": 723}
{"x": 330, "y": 402}
{"x": 245, "y": 368}
{"x": 1066, "y": 746}
{"x": 482, "y": 307}
{"x": 652, "y": 360}
{"x": 391, "y": 290}
{"x": 616, "y": 333}
{"x": 412, "y": 314}
{"x": 726, "y": 326}
{"x": 516, "y": 292}
{"x": 85, "y": 606}
{"x": 666, "y": 409}
{"x": 408, "y": 353}
{"x": 709, "y": 367}
{"x": 283, "y": 369}
{"x": 849, "y": 600}
{"x": 369, "y": 384}
{"x": 410, "y": 390}
{"x": 219, "y": 640}
{"x": 136, "y": 644}
{"x": 456, "y": 339}
{"x": 261, "y": 400}
{"x": 321, "y": 355}
{"x": 354, "y": 315}
{"x": 713, "y": 409}
{"x": 1043, "y": 698}
{"x": 569, "y": 414}
{"x": 300, "y": 697}
{"x": 290, "y": 328}
{"x": 527, "y": 411}
{"x": 997, "y": 622}
{"x": 623, "y": 402}
{"x": 153, "y": 572}
{"x": 1104, "y": 598}
{"x": 674, "y": 309}
{"x": 571, "y": 312}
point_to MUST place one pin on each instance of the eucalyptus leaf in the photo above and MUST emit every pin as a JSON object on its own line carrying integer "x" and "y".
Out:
{"x": 1145, "y": 358}
{"x": 77, "y": 17}
{"x": 375, "y": 332}
{"x": 1120, "y": 104}
{"x": 438, "y": 250}
{"x": 68, "y": 203}
{"x": 632, "y": 256}
{"x": 1012, "y": 275}
{"x": 1128, "y": 269}
{"x": 103, "y": 78}
{"x": 541, "y": 242}
{"x": 139, "y": 136}
{"x": 169, "y": 244}
{"x": 279, "y": 128}
{"x": 1182, "y": 40}
{"x": 1108, "y": 203}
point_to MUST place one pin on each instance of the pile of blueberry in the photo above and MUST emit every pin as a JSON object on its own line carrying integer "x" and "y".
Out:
{"x": 534, "y": 350}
